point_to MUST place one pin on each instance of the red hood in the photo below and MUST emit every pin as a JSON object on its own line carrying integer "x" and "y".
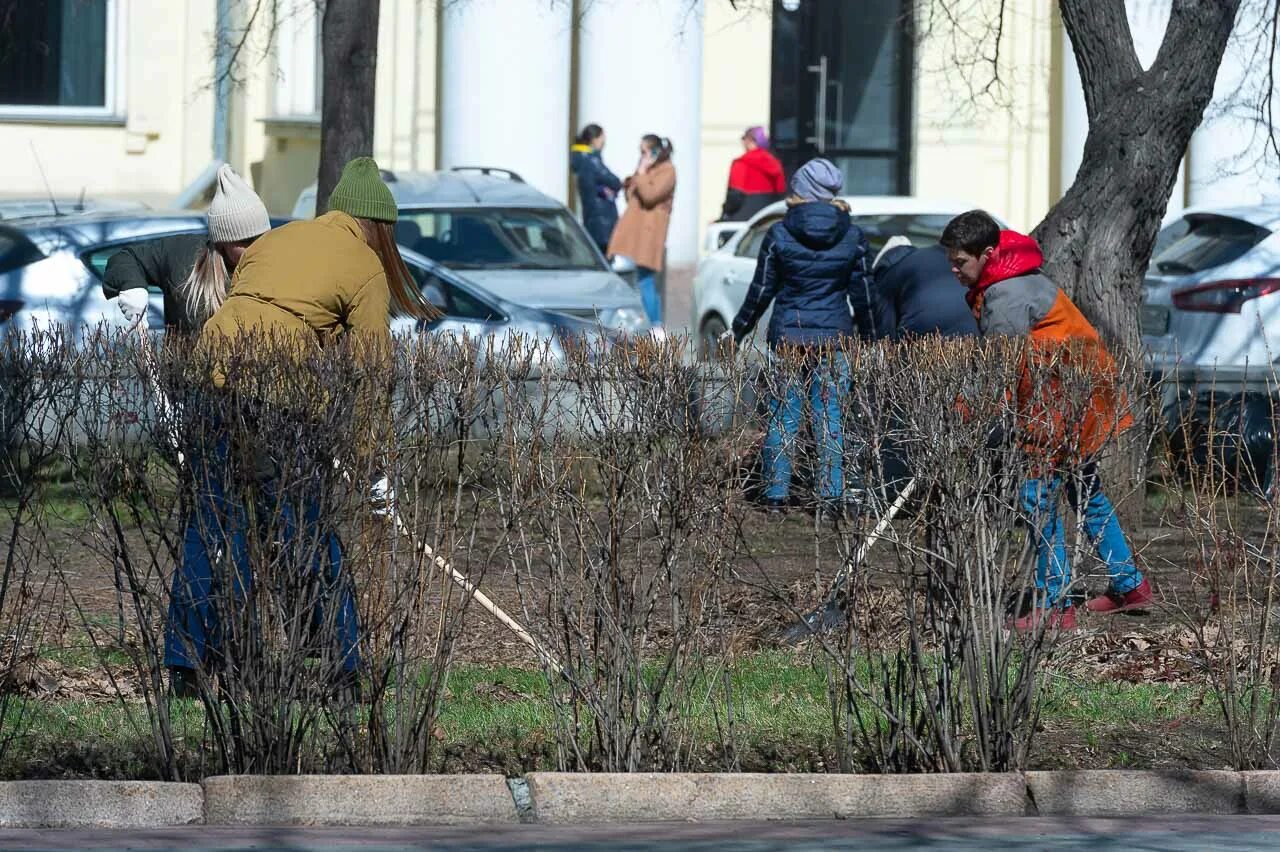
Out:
{"x": 1016, "y": 254}
{"x": 757, "y": 171}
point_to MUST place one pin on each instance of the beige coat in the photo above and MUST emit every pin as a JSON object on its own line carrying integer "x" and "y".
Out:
{"x": 641, "y": 233}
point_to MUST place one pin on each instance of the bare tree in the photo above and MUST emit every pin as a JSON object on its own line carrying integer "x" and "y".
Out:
{"x": 1098, "y": 238}
{"x": 349, "y": 45}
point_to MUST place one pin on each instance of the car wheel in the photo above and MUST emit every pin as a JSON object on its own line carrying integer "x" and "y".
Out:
{"x": 712, "y": 328}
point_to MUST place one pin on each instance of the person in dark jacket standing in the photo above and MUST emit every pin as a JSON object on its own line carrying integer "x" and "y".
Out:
{"x": 915, "y": 294}
{"x": 598, "y": 187}
{"x": 755, "y": 179}
{"x": 192, "y": 270}
{"x": 812, "y": 266}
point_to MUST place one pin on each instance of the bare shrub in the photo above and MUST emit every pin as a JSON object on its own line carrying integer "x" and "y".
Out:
{"x": 1220, "y": 500}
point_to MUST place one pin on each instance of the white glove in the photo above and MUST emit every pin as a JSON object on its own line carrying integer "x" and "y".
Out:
{"x": 133, "y": 305}
{"x": 382, "y": 498}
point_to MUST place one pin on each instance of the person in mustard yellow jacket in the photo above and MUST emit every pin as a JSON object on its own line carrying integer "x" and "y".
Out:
{"x": 306, "y": 284}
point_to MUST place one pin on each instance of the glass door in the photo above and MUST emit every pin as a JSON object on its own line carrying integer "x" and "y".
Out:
{"x": 841, "y": 89}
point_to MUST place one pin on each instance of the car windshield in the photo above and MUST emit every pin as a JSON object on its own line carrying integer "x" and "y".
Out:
{"x": 497, "y": 238}
{"x": 1208, "y": 241}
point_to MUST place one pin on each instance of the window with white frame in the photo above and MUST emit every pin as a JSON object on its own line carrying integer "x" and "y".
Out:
{"x": 59, "y": 57}
{"x": 298, "y": 78}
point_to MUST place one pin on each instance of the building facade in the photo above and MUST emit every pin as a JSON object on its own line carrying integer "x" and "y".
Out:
{"x": 120, "y": 98}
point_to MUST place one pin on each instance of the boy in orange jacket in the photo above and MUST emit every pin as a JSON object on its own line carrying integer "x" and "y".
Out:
{"x": 1010, "y": 296}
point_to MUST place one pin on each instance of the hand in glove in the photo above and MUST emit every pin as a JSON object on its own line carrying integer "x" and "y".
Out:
{"x": 133, "y": 305}
{"x": 382, "y": 498}
{"x": 726, "y": 342}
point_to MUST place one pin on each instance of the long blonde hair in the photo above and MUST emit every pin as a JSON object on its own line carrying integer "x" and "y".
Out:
{"x": 205, "y": 289}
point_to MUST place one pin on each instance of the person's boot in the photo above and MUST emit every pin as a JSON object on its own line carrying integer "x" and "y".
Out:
{"x": 1139, "y": 597}
{"x": 827, "y": 617}
{"x": 183, "y": 683}
{"x": 773, "y": 507}
{"x": 1052, "y": 617}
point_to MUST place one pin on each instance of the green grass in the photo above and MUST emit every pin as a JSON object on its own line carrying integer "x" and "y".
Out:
{"x": 779, "y": 704}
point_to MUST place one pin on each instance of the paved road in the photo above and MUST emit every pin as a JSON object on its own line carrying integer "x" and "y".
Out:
{"x": 1160, "y": 834}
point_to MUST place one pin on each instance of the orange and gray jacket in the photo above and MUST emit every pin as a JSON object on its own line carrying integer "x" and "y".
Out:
{"x": 1013, "y": 298}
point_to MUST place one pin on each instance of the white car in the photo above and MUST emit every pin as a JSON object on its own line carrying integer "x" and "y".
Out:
{"x": 724, "y": 275}
{"x": 1211, "y": 310}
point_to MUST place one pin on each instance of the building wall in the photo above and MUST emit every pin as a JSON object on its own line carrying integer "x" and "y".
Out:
{"x": 161, "y": 141}
{"x": 736, "y": 54}
{"x": 991, "y": 151}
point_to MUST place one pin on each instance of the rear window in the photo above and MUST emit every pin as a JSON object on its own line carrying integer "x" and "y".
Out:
{"x": 1208, "y": 241}
{"x": 16, "y": 251}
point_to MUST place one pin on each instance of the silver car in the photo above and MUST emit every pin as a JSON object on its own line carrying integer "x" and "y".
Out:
{"x": 51, "y": 267}
{"x": 510, "y": 240}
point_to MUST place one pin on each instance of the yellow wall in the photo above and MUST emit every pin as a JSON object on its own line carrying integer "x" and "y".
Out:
{"x": 998, "y": 157}
{"x": 165, "y": 141}
{"x": 994, "y": 153}
{"x": 736, "y": 52}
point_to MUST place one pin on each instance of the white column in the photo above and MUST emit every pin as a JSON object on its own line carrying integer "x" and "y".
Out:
{"x": 640, "y": 71}
{"x": 1148, "y": 20}
{"x": 504, "y": 88}
{"x": 1229, "y": 162}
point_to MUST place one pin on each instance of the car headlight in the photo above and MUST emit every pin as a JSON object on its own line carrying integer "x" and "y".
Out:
{"x": 629, "y": 320}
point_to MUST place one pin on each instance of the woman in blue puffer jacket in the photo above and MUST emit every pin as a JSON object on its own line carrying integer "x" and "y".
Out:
{"x": 814, "y": 269}
{"x": 598, "y": 187}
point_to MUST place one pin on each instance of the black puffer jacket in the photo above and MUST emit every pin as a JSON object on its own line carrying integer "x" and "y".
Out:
{"x": 597, "y": 190}
{"x": 917, "y": 294}
{"x": 813, "y": 267}
{"x": 165, "y": 263}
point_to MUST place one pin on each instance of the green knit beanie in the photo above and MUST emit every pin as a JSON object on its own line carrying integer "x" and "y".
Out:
{"x": 361, "y": 193}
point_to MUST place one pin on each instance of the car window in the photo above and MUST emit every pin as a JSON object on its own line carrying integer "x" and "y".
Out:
{"x": 497, "y": 238}
{"x": 1175, "y": 230}
{"x": 97, "y": 258}
{"x": 454, "y": 301}
{"x": 1209, "y": 240}
{"x": 923, "y": 229}
{"x": 749, "y": 245}
{"x": 16, "y": 251}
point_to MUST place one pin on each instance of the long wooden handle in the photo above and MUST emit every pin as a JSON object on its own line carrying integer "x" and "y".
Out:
{"x": 479, "y": 597}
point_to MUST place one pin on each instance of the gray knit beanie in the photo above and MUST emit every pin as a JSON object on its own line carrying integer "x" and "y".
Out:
{"x": 817, "y": 180}
{"x": 236, "y": 212}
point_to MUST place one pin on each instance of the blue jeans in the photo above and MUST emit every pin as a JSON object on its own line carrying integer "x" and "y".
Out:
{"x": 647, "y": 281}
{"x": 1039, "y": 500}
{"x": 193, "y": 632}
{"x": 826, "y": 384}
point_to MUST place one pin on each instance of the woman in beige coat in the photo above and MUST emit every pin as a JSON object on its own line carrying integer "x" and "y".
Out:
{"x": 641, "y": 234}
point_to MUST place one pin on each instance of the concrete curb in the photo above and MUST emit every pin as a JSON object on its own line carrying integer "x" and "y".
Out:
{"x": 99, "y": 804}
{"x": 555, "y": 797}
{"x": 645, "y": 797}
{"x": 1121, "y": 792}
{"x": 357, "y": 800}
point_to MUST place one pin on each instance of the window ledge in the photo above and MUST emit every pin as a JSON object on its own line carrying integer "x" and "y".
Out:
{"x": 16, "y": 115}
{"x": 293, "y": 126}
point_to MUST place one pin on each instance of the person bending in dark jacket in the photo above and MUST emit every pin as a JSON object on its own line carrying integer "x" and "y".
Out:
{"x": 597, "y": 186}
{"x": 812, "y": 266}
{"x": 192, "y": 270}
{"x": 915, "y": 293}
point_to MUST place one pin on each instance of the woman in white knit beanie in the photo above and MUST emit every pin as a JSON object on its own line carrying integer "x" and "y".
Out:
{"x": 192, "y": 270}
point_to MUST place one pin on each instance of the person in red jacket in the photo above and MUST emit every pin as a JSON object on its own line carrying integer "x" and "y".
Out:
{"x": 1010, "y": 296}
{"x": 755, "y": 179}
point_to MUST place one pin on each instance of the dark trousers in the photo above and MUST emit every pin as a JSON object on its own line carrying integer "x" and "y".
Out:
{"x": 216, "y": 551}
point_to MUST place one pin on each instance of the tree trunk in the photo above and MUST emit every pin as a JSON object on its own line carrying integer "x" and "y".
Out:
{"x": 1097, "y": 240}
{"x": 349, "y": 46}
